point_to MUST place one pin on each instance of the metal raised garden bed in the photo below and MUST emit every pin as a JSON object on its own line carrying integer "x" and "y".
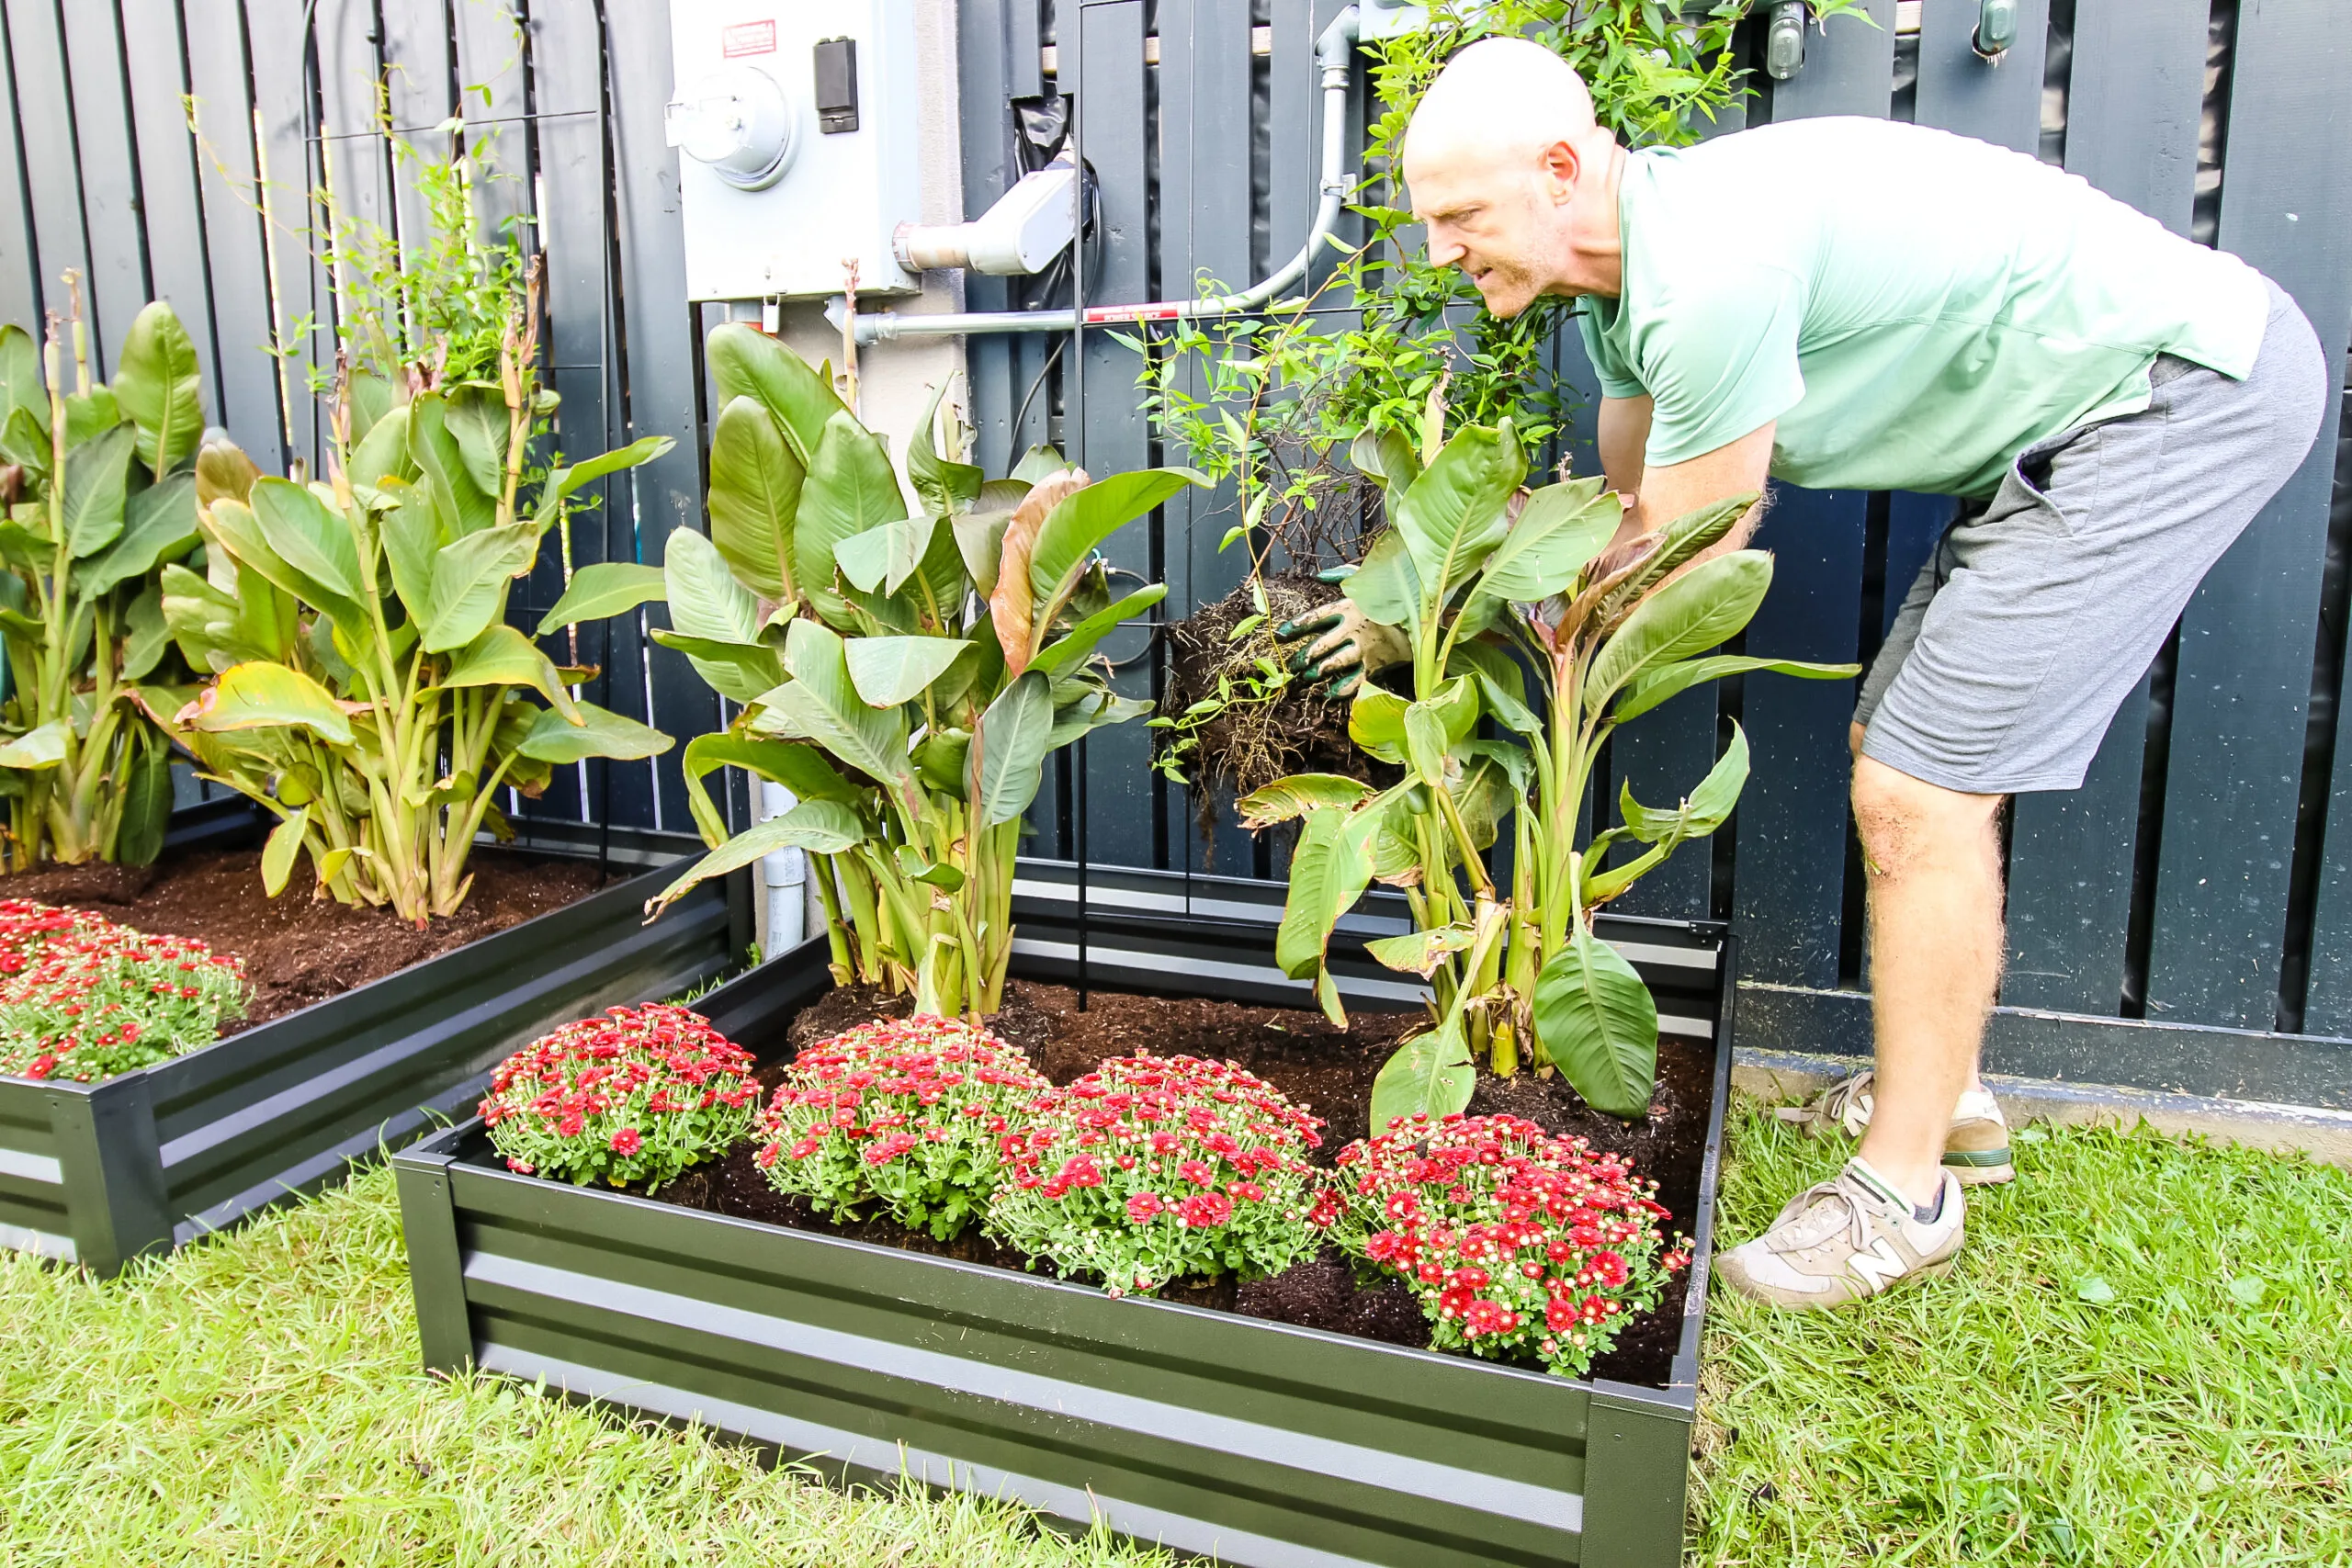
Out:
{"x": 1249, "y": 1441}
{"x": 97, "y": 1174}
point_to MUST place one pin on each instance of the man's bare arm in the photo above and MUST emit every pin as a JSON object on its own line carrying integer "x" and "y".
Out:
{"x": 1623, "y": 431}
{"x": 1672, "y": 489}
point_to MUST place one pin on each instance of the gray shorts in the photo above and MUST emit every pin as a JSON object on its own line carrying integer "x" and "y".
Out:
{"x": 2042, "y": 608}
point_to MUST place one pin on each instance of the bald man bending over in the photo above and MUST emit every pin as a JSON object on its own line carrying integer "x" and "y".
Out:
{"x": 1858, "y": 304}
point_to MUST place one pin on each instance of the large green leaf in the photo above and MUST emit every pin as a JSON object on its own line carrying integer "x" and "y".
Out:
{"x": 1419, "y": 952}
{"x": 946, "y": 487}
{"x": 279, "y": 850}
{"x": 146, "y": 807}
{"x": 1388, "y": 455}
{"x": 600, "y": 733}
{"x": 1598, "y": 1024}
{"x": 821, "y": 704}
{"x": 97, "y": 478}
{"x": 1329, "y": 870}
{"x": 1386, "y": 587}
{"x": 1561, "y": 528}
{"x": 887, "y": 671}
{"x": 410, "y": 533}
{"x": 255, "y": 696}
{"x": 1078, "y": 527}
{"x": 21, "y": 386}
{"x": 470, "y": 580}
{"x": 1376, "y": 722}
{"x": 1014, "y": 735}
{"x": 1296, "y": 795}
{"x": 1431, "y": 1075}
{"x": 800, "y": 767}
{"x": 1069, "y": 649}
{"x": 1454, "y": 514}
{"x": 886, "y": 556}
{"x": 1682, "y": 540}
{"x": 755, "y": 484}
{"x": 747, "y": 363}
{"x": 979, "y": 539}
{"x": 465, "y": 507}
{"x": 35, "y": 748}
{"x": 1711, "y": 601}
{"x": 308, "y": 536}
{"x": 1502, "y": 685}
{"x": 159, "y": 524}
{"x": 705, "y": 599}
{"x": 570, "y": 480}
{"x": 821, "y": 826}
{"x": 149, "y": 635}
{"x": 382, "y": 453}
{"x": 476, "y": 416}
{"x": 501, "y": 656}
{"x": 740, "y": 671}
{"x": 850, "y": 488}
{"x": 160, "y": 386}
{"x": 1662, "y": 681}
{"x": 607, "y": 588}
{"x": 1425, "y": 742}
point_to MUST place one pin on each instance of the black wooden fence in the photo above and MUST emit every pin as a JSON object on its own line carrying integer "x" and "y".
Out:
{"x": 2174, "y": 923}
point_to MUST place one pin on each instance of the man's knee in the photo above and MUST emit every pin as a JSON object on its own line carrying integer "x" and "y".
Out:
{"x": 1904, "y": 822}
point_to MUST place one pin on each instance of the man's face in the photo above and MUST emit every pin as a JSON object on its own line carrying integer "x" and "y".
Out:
{"x": 1492, "y": 218}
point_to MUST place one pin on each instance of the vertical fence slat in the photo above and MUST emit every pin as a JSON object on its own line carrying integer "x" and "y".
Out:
{"x": 157, "y": 62}
{"x": 351, "y": 85}
{"x": 2240, "y": 701}
{"x": 218, "y": 80}
{"x": 1995, "y": 101}
{"x": 981, "y": 47}
{"x": 1204, "y": 232}
{"x": 1848, "y": 67}
{"x": 2135, "y": 92}
{"x": 417, "y": 69}
{"x": 1790, "y": 905}
{"x": 663, "y": 354}
{"x": 1120, "y": 804}
{"x": 1789, "y": 901}
{"x": 44, "y": 118}
{"x": 117, "y": 281}
{"x": 2133, "y": 97}
{"x": 20, "y": 283}
{"x": 493, "y": 96}
{"x": 303, "y": 316}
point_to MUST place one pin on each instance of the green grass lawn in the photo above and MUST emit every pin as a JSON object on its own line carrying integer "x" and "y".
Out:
{"x": 2140, "y": 1361}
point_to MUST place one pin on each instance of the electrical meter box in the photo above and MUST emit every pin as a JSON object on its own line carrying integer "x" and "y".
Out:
{"x": 795, "y": 126}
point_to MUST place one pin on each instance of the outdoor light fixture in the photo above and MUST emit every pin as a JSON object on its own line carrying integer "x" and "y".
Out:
{"x": 1997, "y": 27}
{"x": 1784, "y": 38}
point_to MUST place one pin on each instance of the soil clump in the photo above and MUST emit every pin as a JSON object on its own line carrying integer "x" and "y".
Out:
{"x": 299, "y": 950}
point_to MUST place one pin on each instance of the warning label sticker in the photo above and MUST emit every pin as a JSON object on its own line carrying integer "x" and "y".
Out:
{"x": 748, "y": 37}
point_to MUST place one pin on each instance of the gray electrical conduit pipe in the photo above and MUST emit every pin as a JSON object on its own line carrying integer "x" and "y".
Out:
{"x": 1335, "y": 52}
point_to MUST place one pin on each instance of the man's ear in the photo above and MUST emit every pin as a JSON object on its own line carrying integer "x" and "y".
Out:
{"x": 1560, "y": 166}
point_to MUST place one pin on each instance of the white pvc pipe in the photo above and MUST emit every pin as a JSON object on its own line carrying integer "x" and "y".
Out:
{"x": 1335, "y": 51}
{"x": 785, "y": 877}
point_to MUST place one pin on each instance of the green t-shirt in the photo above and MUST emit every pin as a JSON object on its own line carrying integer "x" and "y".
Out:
{"x": 1915, "y": 308}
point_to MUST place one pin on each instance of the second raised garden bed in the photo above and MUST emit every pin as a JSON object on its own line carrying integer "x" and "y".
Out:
{"x": 1237, "y": 1437}
{"x": 97, "y": 1174}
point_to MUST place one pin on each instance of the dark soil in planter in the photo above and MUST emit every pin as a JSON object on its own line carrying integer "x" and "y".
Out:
{"x": 299, "y": 950}
{"x": 1301, "y": 1053}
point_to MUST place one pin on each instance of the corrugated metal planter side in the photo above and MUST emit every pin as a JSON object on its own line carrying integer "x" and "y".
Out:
{"x": 99, "y": 1174}
{"x": 1252, "y": 1441}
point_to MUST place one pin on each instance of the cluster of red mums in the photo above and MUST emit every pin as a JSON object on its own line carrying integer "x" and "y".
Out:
{"x": 636, "y": 1094}
{"x": 84, "y": 999}
{"x": 1516, "y": 1241}
{"x": 911, "y": 1114}
{"x": 1152, "y": 1169}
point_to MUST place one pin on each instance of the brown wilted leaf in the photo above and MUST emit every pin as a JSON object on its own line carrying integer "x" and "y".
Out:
{"x": 1011, "y": 606}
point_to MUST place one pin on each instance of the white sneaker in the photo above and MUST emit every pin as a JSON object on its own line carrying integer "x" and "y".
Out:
{"x": 1976, "y": 1149}
{"x": 1849, "y": 1237}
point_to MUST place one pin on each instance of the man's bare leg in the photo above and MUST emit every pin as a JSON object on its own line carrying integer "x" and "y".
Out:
{"x": 1932, "y": 856}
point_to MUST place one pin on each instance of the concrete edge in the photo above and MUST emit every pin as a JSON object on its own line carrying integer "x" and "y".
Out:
{"x": 1780, "y": 1078}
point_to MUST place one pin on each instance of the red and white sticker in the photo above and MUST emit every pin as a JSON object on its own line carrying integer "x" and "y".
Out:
{"x": 748, "y": 37}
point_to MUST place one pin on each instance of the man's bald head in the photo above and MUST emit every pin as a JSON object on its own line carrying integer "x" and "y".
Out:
{"x": 1497, "y": 160}
{"x": 1504, "y": 99}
